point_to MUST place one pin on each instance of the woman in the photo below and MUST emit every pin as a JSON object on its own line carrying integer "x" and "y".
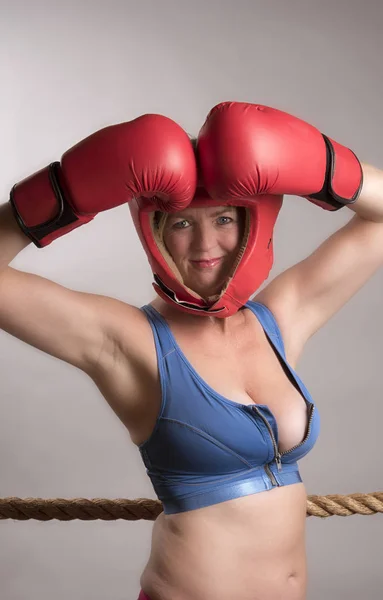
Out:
{"x": 203, "y": 378}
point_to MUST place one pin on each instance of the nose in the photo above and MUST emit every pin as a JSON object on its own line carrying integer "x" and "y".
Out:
{"x": 204, "y": 238}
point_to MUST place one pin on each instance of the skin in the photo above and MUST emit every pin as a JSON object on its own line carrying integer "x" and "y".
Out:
{"x": 248, "y": 548}
{"x": 202, "y": 234}
{"x": 261, "y": 547}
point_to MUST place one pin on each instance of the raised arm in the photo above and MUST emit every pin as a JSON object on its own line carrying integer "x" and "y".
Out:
{"x": 149, "y": 156}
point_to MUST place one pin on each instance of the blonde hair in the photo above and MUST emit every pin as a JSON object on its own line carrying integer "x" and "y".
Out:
{"x": 159, "y": 222}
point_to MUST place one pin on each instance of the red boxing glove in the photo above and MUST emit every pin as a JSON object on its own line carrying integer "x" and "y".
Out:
{"x": 249, "y": 149}
{"x": 150, "y": 156}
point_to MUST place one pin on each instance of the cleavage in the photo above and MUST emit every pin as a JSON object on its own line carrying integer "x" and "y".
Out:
{"x": 253, "y": 373}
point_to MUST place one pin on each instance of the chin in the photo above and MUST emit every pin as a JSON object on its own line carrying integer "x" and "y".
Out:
{"x": 206, "y": 292}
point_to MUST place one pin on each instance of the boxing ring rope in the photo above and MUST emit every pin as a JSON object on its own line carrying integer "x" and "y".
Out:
{"x": 64, "y": 509}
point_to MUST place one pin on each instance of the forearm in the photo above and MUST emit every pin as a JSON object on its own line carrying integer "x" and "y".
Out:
{"x": 369, "y": 205}
{"x": 12, "y": 239}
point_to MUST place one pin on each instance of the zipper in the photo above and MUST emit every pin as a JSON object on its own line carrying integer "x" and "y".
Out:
{"x": 278, "y": 455}
{"x": 312, "y": 407}
{"x": 271, "y": 475}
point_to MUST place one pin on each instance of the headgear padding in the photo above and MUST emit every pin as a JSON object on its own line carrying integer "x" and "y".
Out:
{"x": 250, "y": 270}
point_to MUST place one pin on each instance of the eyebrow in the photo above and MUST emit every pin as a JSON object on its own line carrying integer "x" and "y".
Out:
{"x": 188, "y": 216}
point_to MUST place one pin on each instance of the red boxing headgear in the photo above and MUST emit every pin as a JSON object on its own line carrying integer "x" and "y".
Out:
{"x": 250, "y": 270}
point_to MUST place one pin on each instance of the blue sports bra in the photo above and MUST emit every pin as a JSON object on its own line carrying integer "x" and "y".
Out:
{"x": 207, "y": 449}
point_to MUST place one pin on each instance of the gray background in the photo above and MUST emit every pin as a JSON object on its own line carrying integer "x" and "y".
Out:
{"x": 67, "y": 71}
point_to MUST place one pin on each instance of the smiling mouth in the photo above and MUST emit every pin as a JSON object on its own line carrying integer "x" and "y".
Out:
{"x": 206, "y": 264}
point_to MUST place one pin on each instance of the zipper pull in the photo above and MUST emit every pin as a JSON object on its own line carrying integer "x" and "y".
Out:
{"x": 278, "y": 461}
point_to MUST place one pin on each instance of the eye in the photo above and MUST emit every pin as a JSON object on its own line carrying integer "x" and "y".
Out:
{"x": 181, "y": 224}
{"x": 229, "y": 220}
{"x": 178, "y": 225}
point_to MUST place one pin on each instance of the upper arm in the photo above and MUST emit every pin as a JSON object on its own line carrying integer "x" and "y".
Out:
{"x": 109, "y": 340}
{"x": 304, "y": 297}
{"x": 72, "y": 326}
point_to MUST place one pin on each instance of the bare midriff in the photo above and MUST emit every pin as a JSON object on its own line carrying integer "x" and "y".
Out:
{"x": 249, "y": 548}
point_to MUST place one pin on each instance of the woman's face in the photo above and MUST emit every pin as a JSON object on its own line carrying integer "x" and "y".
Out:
{"x": 204, "y": 234}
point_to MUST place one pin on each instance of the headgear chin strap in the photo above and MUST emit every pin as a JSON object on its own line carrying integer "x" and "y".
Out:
{"x": 250, "y": 270}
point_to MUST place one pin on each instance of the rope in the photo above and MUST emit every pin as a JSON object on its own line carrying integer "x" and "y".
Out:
{"x": 61, "y": 509}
